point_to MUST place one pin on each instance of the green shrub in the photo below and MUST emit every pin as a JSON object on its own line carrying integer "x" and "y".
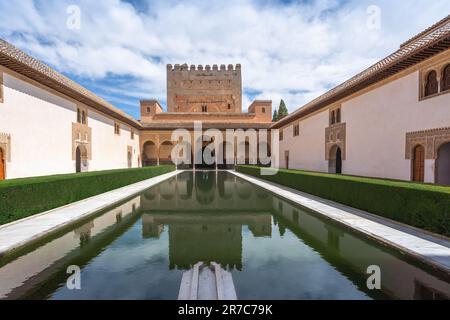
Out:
{"x": 420, "y": 205}
{"x": 20, "y": 198}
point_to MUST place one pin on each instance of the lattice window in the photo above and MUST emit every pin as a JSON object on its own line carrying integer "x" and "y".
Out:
{"x": 446, "y": 78}
{"x": 431, "y": 85}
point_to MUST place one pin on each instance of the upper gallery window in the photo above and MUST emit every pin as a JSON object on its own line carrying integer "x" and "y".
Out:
{"x": 81, "y": 116}
{"x": 431, "y": 85}
{"x": 204, "y": 108}
{"x": 446, "y": 78}
{"x": 296, "y": 130}
{"x": 116, "y": 128}
{"x": 335, "y": 116}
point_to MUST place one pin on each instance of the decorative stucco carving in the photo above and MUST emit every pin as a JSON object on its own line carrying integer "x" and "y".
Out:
{"x": 5, "y": 144}
{"x": 335, "y": 135}
{"x": 431, "y": 140}
{"x": 81, "y": 136}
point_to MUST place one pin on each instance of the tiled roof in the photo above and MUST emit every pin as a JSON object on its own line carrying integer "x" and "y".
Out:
{"x": 428, "y": 43}
{"x": 20, "y": 62}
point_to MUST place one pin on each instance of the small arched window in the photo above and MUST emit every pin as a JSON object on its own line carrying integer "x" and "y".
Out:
{"x": 338, "y": 115}
{"x": 446, "y": 78}
{"x": 83, "y": 117}
{"x": 431, "y": 85}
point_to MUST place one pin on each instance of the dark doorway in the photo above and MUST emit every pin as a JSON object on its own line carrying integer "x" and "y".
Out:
{"x": 338, "y": 161}
{"x": 2, "y": 165}
{"x": 130, "y": 159}
{"x": 443, "y": 165}
{"x": 78, "y": 160}
{"x": 286, "y": 158}
{"x": 419, "y": 164}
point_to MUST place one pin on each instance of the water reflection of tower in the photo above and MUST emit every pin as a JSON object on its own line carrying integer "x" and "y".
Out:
{"x": 205, "y": 237}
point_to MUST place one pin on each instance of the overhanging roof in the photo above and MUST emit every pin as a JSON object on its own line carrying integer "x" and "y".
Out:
{"x": 426, "y": 44}
{"x": 20, "y": 62}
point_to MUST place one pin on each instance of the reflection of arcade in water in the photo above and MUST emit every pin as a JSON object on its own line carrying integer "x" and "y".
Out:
{"x": 205, "y": 214}
{"x": 206, "y": 191}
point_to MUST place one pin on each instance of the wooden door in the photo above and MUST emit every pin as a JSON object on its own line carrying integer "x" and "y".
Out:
{"x": 2, "y": 165}
{"x": 419, "y": 164}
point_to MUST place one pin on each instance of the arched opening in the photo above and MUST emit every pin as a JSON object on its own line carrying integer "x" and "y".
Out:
{"x": 335, "y": 160}
{"x": 446, "y": 78}
{"x": 265, "y": 158}
{"x": 443, "y": 165}
{"x": 338, "y": 161}
{"x": 130, "y": 159}
{"x": 228, "y": 156}
{"x": 2, "y": 165}
{"x": 243, "y": 153}
{"x": 418, "y": 167}
{"x": 431, "y": 85}
{"x": 149, "y": 154}
{"x": 165, "y": 153}
{"x": 81, "y": 164}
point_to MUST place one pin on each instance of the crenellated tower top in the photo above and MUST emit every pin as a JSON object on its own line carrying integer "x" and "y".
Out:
{"x": 204, "y": 88}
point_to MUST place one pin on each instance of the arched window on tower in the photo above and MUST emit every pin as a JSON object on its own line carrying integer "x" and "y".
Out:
{"x": 431, "y": 85}
{"x": 446, "y": 78}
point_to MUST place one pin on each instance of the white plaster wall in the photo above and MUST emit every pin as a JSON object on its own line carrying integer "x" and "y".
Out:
{"x": 307, "y": 150}
{"x": 109, "y": 151}
{"x": 40, "y": 125}
{"x": 377, "y": 123}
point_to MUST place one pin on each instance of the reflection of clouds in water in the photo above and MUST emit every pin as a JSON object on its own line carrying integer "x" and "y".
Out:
{"x": 120, "y": 270}
{"x": 309, "y": 276}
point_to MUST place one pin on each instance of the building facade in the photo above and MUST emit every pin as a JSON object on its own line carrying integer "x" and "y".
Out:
{"x": 51, "y": 125}
{"x": 390, "y": 121}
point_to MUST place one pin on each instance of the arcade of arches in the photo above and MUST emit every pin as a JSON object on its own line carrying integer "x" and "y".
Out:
{"x": 158, "y": 150}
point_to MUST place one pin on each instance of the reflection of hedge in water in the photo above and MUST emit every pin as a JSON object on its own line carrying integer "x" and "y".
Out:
{"x": 420, "y": 205}
{"x": 21, "y": 198}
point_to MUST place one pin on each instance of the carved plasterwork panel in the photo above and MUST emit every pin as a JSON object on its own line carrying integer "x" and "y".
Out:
{"x": 431, "y": 140}
{"x": 335, "y": 135}
{"x": 5, "y": 144}
{"x": 81, "y": 136}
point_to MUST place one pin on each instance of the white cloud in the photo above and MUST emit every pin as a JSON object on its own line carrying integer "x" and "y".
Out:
{"x": 295, "y": 51}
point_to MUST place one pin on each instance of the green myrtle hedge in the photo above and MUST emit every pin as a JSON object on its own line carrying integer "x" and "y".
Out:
{"x": 20, "y": 198}
{"x": 420, "y": 205}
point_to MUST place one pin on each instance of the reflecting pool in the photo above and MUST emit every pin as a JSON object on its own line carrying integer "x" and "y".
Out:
{"x": 273, "y": 248}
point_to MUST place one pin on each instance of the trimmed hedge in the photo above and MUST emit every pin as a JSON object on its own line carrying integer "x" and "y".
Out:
{"x": 420, "y": 205}
{"x": 20, "y": 198}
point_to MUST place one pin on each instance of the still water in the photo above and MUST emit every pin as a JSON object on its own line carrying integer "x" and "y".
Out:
{"x": 273, "y": 248}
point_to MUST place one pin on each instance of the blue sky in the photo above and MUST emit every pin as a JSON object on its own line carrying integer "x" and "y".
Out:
{"x": 295, "y": 50}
